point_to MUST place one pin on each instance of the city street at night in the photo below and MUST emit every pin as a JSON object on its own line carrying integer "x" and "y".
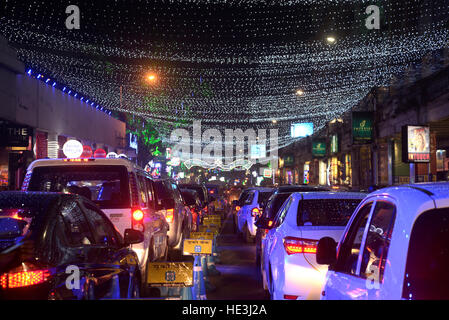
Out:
{"x": 219, "y": 158}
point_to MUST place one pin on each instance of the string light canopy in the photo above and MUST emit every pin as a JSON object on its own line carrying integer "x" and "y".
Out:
{"x": 229, "y": 63}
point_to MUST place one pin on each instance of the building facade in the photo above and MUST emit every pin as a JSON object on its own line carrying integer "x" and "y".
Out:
{"x": 37, "y": 118}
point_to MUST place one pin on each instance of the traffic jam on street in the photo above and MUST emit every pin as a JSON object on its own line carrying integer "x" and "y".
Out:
{"x": 224, "y": 150}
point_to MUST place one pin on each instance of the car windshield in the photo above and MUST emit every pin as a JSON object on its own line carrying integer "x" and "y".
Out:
{"x": 326, "y": 212}
{"x": 105, "y": 185}
{"x": 426, "y": 275}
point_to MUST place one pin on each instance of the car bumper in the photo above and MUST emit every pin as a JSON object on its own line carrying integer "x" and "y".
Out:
{"x": 302, "y": 279}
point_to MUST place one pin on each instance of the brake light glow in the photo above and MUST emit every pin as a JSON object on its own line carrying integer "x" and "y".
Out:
{"x": 137, "y": 219}
{"x": 23, "y": 279}
{"x": 169, "y": 216}
{"x": 290, "y": 297}
{"x": 237, "y": 208}
{"x": 294, "y": 245}
{"x": 138, "y": 215}
{"x": 270, "y": 223}
{"x": 77, "y": 160}
{"x": 255, "y": 212}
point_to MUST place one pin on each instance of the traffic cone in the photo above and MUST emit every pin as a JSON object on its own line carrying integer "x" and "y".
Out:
{"x": 208, "y": 286}
{"x": 198, "y": 289}
{"x": 211, "y": 268}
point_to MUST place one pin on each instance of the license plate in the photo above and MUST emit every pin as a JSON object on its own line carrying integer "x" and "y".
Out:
{"x": 170, "y": 274}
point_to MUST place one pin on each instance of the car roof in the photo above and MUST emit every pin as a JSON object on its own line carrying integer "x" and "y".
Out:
{"x": 437, "y": 192}
{"x": 36, "y": 199}
{"x": 329, "y": 195}
{"x": 92, "y": 161}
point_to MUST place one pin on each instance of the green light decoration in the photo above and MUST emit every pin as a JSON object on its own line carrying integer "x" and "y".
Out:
{"x": 156, "y": 152}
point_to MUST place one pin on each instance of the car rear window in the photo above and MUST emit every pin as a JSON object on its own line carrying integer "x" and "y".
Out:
{"x": 15, "y": 224}
{"x": 198, "y": 189}
{"x": 263, "y": 197}
{"x": 426, "y": 274}
{"x": 107, "y": 186}
{"x": 326, "y": 212}
{"x": 275, "y": 204}
{"x": 161, "y": 191}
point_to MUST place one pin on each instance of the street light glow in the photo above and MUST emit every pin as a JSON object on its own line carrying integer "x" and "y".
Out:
{"x": 299, "y": 92}
{"x": 151, "y": 77}
{"x": 331, "y": 39}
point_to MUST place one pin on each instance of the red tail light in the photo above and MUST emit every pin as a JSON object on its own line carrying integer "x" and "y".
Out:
{"x": 255, "y": 212}
{"x": 237, "y": 208}
{"x": 294, "y": 245}
{"x": 138, "y": 215}
{"x": 169, "y": 216}
{"x": 205, "y": 209}
{"x": 23, "y": 278}
{"x": 137, "y": 220}
{"x": 290, "y": 297}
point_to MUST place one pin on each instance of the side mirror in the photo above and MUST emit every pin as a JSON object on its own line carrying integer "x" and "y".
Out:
{"x": 326, "y": 252}
{"x": 168, "y": 203}
{"x": 133, "y": 236}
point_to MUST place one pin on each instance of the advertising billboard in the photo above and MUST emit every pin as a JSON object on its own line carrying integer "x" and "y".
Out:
{"x": 415, "y": 144}
{"x": 300, "y": 130}
{"x": 258, "y": 151}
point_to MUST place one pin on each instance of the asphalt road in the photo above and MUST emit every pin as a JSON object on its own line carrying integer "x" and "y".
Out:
{"x": 239, "y": 279}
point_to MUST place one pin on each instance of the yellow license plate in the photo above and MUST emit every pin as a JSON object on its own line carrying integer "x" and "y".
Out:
{"x": 170, "y": 274}
{"x": 209, "y": 222}
{"x": 209, "y": 228}
{"x": 202, "y": 235}
{"x": 196, "y": 246}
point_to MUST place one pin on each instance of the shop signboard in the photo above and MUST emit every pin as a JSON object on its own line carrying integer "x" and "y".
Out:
{"x": 415, "y": 144}
{"x": 289, "y": 160}
{"x": 362, "y": 127}
{"x": 318, "y": 148}
{"x": 14, "y": 135}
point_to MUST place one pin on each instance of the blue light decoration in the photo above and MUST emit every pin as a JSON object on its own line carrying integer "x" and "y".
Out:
{"x": 63, "y": 89}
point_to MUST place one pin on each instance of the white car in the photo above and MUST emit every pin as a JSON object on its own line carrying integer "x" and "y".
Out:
{"x": 123, "y": 191}
{"x": 396, "y": 246}
{"x": 250, "y": 210}
{"x": 289, "y": 268}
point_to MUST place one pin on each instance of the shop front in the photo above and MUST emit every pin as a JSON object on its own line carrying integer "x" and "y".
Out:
{"x": 16, "y": 142}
